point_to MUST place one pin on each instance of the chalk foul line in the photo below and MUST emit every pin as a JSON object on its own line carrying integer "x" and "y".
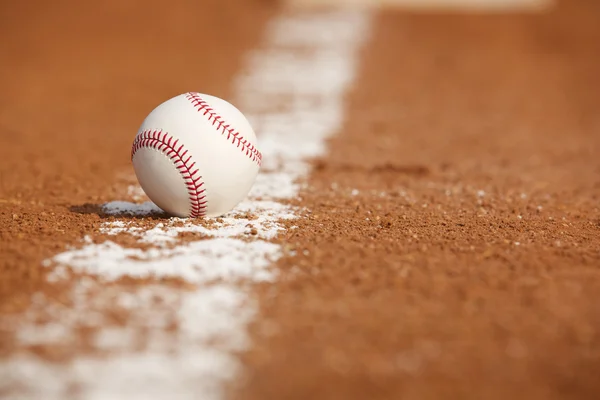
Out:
{"x": 160, "y": 340}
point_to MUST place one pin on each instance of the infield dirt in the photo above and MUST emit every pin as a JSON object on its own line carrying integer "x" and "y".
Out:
{"x": 452, "y": 243}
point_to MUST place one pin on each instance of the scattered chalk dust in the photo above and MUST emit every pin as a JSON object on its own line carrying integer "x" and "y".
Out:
{"x": 177, "y": 335}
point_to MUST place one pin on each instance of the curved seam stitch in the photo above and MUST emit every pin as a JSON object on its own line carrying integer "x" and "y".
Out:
{"x": 167, "y": 145}
{"x": 226, "y": 130}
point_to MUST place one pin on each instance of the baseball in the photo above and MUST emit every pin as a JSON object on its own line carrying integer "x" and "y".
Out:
{"x": 195, "y": 155}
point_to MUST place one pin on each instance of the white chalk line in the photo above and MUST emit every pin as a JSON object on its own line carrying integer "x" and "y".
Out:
{"x": 292, "y": 91}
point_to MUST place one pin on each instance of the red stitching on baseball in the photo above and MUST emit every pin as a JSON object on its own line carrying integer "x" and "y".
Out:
{"x": 229, "y": 133}
{"x": 166, "y": 144}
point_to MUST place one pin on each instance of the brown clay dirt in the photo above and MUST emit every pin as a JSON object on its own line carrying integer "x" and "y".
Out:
{"x": 453, "y": 244}
{"x": 467, "y": 265}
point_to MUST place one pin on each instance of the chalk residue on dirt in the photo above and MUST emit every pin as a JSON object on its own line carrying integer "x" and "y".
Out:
{"x": 179, "y": 340}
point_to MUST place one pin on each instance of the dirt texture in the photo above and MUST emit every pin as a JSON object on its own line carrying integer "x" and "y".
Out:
{"x": 453, "y": 248}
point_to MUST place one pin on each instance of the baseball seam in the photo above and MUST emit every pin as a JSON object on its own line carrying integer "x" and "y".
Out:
{"x": 167, "y": 145}
{"x": 226, "y": 130}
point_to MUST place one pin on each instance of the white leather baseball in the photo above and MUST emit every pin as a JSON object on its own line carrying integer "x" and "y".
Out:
{"x": 195, "y": 155}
